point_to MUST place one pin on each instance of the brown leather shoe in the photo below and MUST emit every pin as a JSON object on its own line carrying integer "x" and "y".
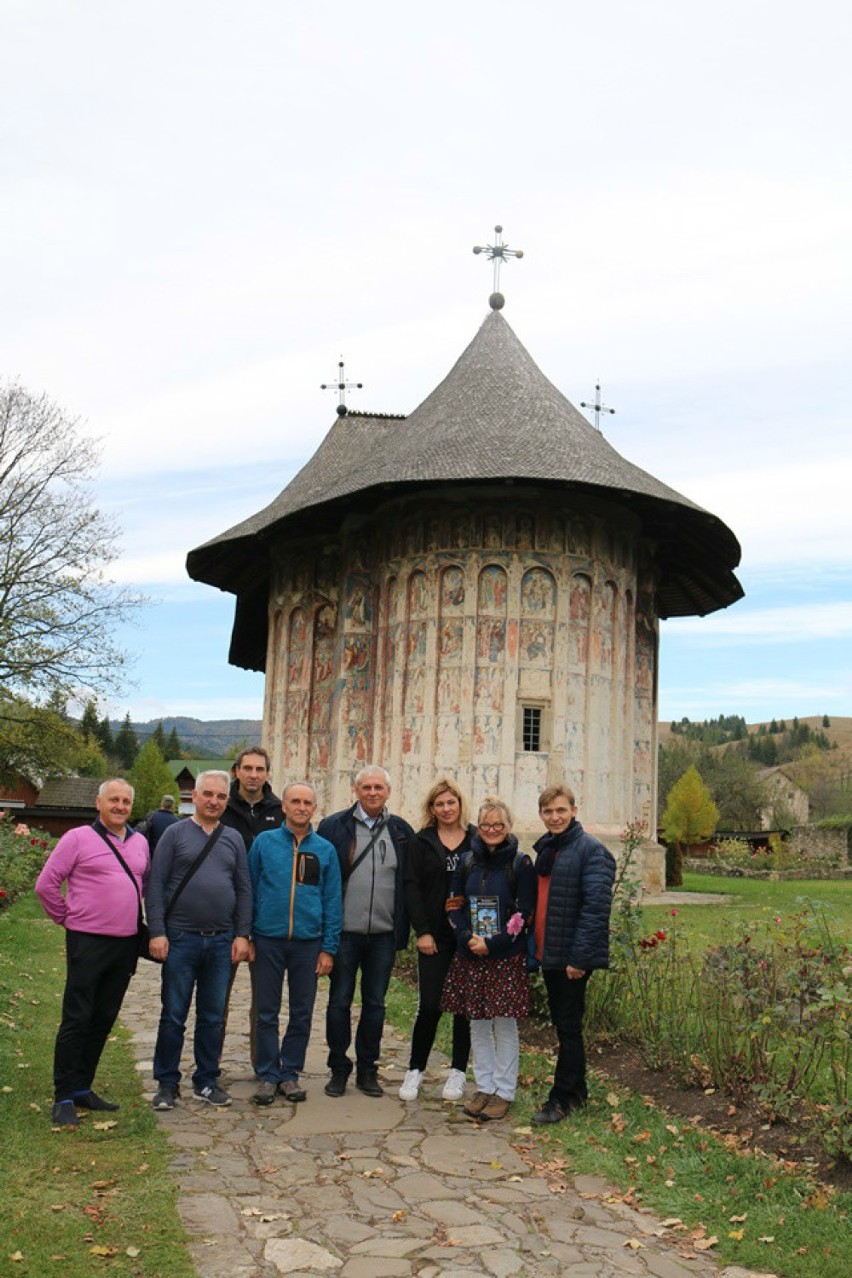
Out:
{"x": 477, "y": 1103}
{"x": 497, "y": 1107}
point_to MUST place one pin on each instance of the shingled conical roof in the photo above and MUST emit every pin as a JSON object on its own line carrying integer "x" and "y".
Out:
{"x": 495, "y": 416}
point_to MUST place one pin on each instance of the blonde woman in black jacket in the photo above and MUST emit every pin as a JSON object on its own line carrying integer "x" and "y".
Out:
{"x": 433, "y": 858}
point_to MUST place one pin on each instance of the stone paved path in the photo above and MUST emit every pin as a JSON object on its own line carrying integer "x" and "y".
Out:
{"x": 366, "y": 1188}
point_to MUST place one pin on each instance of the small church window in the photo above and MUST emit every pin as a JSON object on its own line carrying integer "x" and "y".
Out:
{"x": 532, "y": 728}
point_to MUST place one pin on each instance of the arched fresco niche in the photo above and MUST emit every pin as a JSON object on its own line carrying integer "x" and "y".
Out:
{"x": 538, "y": 611}
{"x": 322, "y": 682}
{"x": 414, "y": 692}
{"x": 451, "y": 598}
{"x": 601, "y": 701}
{"x": 389, "y": 637}
{"x": 579, "y": 620}
{"x": 489, "y": 672}
{"x": 297, "y": 691}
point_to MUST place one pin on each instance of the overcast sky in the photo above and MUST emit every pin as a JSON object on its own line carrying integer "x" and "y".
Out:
{"x": 204, "y": 205}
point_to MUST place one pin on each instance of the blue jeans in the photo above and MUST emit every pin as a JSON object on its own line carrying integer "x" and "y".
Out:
{"x": 374, "y": 955}
{"x": 277, "y": 1060}
{"x": 202, "y": 963}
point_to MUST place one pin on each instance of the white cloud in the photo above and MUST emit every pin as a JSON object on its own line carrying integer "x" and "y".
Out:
{"x": 803, "y": 622}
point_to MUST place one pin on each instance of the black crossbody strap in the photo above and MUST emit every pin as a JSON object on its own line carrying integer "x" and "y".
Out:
{"x": 196, "y": 865}
{"x": 99, "y": 829}
{"x": 377, "y": 829}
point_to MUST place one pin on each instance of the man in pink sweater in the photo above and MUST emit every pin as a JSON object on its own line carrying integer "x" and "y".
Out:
{"x": 100, "y": 914}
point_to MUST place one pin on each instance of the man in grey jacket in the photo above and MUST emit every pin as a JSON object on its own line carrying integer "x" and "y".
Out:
{"x": 371, "y": 845}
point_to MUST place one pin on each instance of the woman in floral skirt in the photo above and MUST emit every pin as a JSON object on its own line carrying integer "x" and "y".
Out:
{"x": 492, "y": 900}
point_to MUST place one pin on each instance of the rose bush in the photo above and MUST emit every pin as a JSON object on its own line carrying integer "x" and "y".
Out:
{"x": 22, "y": 854}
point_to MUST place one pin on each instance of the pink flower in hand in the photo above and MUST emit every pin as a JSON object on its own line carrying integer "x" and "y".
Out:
{"x": 515, "y": 924}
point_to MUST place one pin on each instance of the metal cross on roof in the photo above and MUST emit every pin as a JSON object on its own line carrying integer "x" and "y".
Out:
{"x": 598, "y": 406}
{"x": 342, "y": 386}
{"x": 498, "y": 253}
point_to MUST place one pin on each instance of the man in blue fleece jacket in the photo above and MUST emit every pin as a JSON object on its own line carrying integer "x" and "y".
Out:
{"x": 298, "y": 914}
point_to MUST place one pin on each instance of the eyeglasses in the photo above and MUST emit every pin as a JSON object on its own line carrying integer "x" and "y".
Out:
{"x": 496, "y": 828}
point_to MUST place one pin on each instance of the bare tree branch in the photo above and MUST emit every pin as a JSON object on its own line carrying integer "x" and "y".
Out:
{"x": 58, "y": 607}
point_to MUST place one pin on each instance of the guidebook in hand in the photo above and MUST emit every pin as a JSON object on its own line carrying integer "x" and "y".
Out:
{"x": 485, "y": 915}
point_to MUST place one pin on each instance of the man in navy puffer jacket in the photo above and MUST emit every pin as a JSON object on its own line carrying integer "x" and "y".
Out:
{"x": 575, "y": 876}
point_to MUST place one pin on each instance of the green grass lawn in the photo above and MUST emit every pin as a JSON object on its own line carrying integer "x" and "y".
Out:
{"x": 765, "y": 1215}
{"x": 754, "y": 902}
{"x": 74, "y": 1201}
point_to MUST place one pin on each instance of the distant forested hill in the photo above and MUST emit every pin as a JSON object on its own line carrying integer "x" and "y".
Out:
{"x": 200, "y": 738}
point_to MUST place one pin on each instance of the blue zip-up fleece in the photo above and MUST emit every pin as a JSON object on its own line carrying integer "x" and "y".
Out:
{"x": 296, "y": 896}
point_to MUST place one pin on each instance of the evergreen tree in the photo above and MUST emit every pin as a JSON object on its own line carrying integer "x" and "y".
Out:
{"x": 105, "y": 737}
{"x": 89, "y": 721}
{"x": 151, "y": 779}
{"x": 90, "y": 760}
{"x": 159, "y": 736}
{"x": 826, "y": 722}
{"x": 173, "y": 748}
{"x": 690, "y": 817}
{"x": 126, "y": 743}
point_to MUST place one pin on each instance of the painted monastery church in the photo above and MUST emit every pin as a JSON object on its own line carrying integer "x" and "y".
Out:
{"x": 473, "y": 590}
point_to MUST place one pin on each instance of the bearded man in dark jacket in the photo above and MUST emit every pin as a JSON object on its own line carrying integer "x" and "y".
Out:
{"x": 575, "y": 874}
{"x": 252, "y": 808}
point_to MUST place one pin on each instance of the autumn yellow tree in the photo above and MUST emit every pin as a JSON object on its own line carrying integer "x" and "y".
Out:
{"x": 690, "y": 817}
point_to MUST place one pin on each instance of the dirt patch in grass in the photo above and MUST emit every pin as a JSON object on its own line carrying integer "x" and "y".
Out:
{"x": 741, "y": 1125}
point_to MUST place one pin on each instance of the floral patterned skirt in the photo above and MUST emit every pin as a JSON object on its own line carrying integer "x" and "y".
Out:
{"x": 481, "y": 988}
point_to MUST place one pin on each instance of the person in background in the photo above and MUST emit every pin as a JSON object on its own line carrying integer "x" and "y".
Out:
{"x": 198, "y": 933}
{"x": 100, "y": 914}
{"x": 296, "y": 921}
{"x": 433, "y": 859}
{"x": 491, "y": 905}
{"x": 160, "y": 820}
{"x": 575, "y": 874}
{"x": 372, "y": 845}
{"x": 252, "y": 808}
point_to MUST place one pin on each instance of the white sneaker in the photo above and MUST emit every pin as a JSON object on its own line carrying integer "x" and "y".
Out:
{"x": 411, "y": 1085}
{"x": 454, "y": 1086}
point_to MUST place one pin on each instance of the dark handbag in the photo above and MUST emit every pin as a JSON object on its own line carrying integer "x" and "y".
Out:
{"x": 143, "y": 936}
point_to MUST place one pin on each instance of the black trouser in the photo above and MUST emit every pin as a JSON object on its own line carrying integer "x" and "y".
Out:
{"x": 252, "y": 1012}
{"x": 431, "y": 973}
{"x": 99, "y": 972}
{"x": 567, "y": 1001}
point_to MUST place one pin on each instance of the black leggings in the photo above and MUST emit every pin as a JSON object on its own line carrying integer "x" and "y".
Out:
{"x": 431, "y": 973}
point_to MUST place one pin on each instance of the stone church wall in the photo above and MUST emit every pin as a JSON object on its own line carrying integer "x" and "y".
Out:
{"x": 433, "y": 637}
